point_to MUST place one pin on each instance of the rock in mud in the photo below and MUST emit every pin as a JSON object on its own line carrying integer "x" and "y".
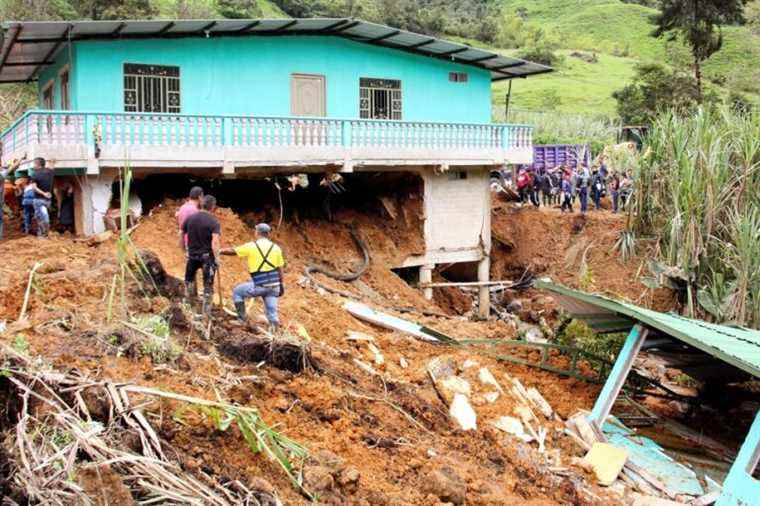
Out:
{"x": 318, "y": 479}
{"x": 167, "y": 285}
{"x": 446, "y": 485}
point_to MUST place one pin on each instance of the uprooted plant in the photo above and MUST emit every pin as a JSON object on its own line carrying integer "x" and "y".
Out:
{"x": 66, "y": 424}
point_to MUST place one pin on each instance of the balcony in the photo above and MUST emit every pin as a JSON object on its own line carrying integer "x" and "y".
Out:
{"x": 91, "y": 140}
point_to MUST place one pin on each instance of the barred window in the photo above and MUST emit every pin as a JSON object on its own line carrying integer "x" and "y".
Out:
{"x": 379, "y": 98}
{"x": 151, "y": 88}
{"x": 458, "y": 77}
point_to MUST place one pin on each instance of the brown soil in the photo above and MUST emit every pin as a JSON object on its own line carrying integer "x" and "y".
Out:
{"x": 391, "y": 432}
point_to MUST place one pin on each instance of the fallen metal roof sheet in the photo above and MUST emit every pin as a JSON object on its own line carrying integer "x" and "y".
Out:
{"x": 737, "y": 346}
{"x": 29, "y": 46}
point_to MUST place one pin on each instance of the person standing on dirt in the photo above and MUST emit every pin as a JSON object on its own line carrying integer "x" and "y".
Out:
{"x": 265, "y": 263}
{"x": 65, "y": 197}
{"x": 42, "y": 177}
{"x": 597, "y": 188}
{"x": 538, "y": 182}
{"x": 583, "y": 183}
{"x": 203, "y": 246}
{"x": 187, "y": 209}
{"x": 3, "y": 174}
{"x": 615, "y": 191}
{"x": 523, "y": 184}
{"x": 546, "y": 189}
{"x": 567, "y": 194}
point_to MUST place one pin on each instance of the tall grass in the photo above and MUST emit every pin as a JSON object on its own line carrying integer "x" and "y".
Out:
{"x": 698, "y": 192}
{"x": 562, "y": 128}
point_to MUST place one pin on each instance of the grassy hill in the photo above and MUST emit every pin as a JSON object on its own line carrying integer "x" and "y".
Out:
{"x": 618, "y": 33}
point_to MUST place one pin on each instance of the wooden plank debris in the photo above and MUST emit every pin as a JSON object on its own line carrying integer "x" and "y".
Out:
{"x": 607, "y": 462}
{"x": 366, "y": 313}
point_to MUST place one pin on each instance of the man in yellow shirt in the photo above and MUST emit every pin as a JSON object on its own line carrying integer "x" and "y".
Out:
{"x": 265, "y": 263}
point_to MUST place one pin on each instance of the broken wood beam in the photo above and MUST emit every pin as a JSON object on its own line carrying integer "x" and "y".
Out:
{"x": 443, "y": 284}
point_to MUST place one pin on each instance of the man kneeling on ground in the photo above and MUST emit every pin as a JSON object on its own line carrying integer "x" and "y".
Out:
{"x": 203, "y": 245}
{"x": 265, "y": 263}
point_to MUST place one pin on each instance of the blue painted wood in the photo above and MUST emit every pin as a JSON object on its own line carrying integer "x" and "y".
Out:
{"x": 648, "y": 455}
{"x": 740, "y": 488}
{"x": 617, "y": 376}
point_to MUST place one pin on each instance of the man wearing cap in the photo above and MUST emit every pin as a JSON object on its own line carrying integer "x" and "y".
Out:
{"x": 265, "y": 263}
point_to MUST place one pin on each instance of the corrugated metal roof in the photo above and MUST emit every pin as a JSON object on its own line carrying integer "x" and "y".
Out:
{"x": 29, "y": 46}
{"x": 737, "y": 346}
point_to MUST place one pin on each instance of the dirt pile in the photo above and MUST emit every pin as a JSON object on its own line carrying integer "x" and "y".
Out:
{"x": 377, "y": 429}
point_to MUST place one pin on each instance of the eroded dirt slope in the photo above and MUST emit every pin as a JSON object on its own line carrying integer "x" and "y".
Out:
{"x": 392, "y": 435}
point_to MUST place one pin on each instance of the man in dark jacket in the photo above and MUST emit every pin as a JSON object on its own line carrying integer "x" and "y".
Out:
{"x": 203, "y": 232}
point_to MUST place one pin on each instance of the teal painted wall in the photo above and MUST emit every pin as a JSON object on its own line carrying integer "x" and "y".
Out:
{"x": 53, "y": 74}
{"x": 251, "y": 76}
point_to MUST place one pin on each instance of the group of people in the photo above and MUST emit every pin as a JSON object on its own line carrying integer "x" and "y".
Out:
{"x": 562, "y": 185}
{"x": 33, "y": 195}
{"x": 200, "y": 238}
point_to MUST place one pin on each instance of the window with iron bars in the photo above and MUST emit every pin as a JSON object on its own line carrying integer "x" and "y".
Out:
{"x": 151, "y": 88}
{"x": 379, "y": 98}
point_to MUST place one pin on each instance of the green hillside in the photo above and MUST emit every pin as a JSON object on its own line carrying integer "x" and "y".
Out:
{"x": 618, "y": 33}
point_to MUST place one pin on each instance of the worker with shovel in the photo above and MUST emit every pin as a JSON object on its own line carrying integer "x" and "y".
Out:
{"x": 265, "y": 263}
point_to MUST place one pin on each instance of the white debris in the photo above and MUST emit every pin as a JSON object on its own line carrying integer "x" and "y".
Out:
{"x": 539, "y": 402}
{"x": 378, "y": 357}
{"x": 469, "y": 363}
{"x": 403, "y": 363}
{"x": 485, "y": 377}
{"x": 353, "y": 335}
{"x": 513, "y": 426}
{"x": 491, "y": 397}
{"x": 461, "y": 411}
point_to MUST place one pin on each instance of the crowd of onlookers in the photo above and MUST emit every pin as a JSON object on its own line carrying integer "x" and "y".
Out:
{"x": 563, "y": 185}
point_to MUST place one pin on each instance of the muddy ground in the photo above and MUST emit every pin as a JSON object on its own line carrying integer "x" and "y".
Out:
{"x": 383, "y": 438}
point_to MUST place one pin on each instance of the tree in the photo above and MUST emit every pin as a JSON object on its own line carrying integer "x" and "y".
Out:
{"x": 752, "y": 15}
{"x": 655, "y": 87}
{"x": 698, "y": 23}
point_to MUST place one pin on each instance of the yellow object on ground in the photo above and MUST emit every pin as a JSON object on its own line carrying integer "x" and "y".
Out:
{"x": 607, "y": 462}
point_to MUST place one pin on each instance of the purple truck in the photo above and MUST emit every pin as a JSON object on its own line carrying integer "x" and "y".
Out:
{"x": 547, "y": 157}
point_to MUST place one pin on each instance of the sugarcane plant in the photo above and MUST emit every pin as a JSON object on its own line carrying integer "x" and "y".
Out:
{"x": 697, "y": 193}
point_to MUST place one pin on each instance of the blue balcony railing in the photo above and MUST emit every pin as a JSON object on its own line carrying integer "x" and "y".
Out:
{"x": 53, "y": 128}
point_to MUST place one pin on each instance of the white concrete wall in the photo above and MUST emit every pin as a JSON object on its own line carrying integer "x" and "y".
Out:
{"x": 94, "y": 197}
{"x": 457, "y": 212}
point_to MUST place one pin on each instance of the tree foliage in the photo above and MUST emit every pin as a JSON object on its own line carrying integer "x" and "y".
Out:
{"x": 698, "y": 23}
{"x": 655, "y": 88}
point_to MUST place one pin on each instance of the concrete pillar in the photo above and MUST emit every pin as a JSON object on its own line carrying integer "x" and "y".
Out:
{"x": 484, "y": 292}
{"x": 426, "y": 276}
{"x": 91, "y": 202}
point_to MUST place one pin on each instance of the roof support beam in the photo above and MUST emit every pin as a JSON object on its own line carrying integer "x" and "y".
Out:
{"x": 11, "y": 42}
{"x": 166, "y": 28}
{"x": 485, "y": 58}
{"x": 118, "y": 30}
{"x": 455, "y": 51}
{"x": 208, "y": 27}
{"x": 500, "y": 67}
{"x": 66, "y": 36}
{"x": 249, "y": 27}
{"x": 345, "y": 27}
{"x": 27, "y": 63}
{"x": 421, "y": 44}
{"x": 386, "y": 36}
{"x": 330, "y": 28}
{"x": 286, "y": 25}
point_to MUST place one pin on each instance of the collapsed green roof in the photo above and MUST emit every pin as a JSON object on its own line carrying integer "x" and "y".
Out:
{"x": 737, "y": 346}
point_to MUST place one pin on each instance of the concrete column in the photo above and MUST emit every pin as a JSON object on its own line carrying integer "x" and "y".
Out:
{"x": 426, "y": 276}
{"x": 91, "y": 202}
{"x": 484, "y": 292}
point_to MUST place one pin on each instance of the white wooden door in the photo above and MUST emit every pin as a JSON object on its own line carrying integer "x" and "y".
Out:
{"x": 307, "y": 95}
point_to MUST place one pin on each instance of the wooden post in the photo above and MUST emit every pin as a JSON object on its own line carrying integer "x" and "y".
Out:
{"x": 484, "y": 292}
{"x": 617, "y": 376}
{"x": 426, "y": 276}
